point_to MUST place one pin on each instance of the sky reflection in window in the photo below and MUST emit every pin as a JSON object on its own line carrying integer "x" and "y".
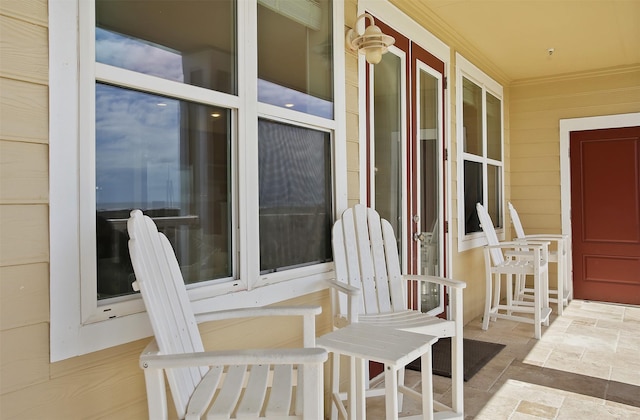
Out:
{"x": 138, "y": 55}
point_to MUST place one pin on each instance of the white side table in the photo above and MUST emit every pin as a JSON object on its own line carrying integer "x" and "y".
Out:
{"x": 395, "y": 349}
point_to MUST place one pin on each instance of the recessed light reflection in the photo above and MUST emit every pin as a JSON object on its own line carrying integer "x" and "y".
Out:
{"x": 289, "y": 105}
{"x": 215, "y": 114}
{"x": 162, "y": 104}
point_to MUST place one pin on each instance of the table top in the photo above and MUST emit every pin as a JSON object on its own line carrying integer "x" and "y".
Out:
{"x": 381, "y": 344}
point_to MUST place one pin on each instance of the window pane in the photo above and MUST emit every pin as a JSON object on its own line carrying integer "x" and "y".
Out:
{"x": 295, "y": 196}
{"x": 472, "y": 117}
{"x": 295, "y": 60}
{"x": 171, "y": 159}
{"x": 472, "y": 195}
{"x": 494, "y": 128}
{"x": 387, "y": 126}
{"x": 494, "y": 188}
{"x": 188, "y": 41}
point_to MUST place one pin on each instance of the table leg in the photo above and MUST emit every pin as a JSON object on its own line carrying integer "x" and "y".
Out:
{"x": 391, "y": 392}
{"x": 427, "y": 386}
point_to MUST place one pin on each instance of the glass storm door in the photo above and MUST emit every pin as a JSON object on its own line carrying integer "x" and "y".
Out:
{"x": 405, "y": 159}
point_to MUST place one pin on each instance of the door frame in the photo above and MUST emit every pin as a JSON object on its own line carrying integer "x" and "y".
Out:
{"x": 395, "y": 18}
{"x": 583, "y": 124}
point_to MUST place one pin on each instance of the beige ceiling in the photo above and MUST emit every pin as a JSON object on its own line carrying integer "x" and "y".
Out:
{"x": 516, "y": 35}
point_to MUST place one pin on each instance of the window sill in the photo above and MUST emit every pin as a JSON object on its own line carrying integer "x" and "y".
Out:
{"x": 74, "y": 340}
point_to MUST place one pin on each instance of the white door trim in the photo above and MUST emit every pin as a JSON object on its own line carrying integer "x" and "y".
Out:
{"x": 581, "y": 124}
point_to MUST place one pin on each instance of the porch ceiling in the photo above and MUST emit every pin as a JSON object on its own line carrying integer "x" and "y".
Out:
{"x": 516, "y": 35}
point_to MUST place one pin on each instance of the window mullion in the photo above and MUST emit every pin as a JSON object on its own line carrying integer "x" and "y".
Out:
{"x": 248, "y": 207}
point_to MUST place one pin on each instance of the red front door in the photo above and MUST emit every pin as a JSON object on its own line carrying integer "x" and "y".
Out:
{"x": 605, "y": 214}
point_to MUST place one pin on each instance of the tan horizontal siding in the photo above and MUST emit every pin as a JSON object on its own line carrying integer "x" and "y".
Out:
{"x": 25, "y": 234}
{"x": 535, "y": 143}
{"x": 24, "y": 286}
{"x": 33, "y": 11}
{"x": 535, "y": 178}
{"x": 24, "y": 359}
{"x": 539, "y": 191}
{"x": 24, "y": 175}
{"x": 100, "y": 391}
{"x": 24, "y": 108}
{"x": 23, "y": 50}
{"x": 535, "y": 164}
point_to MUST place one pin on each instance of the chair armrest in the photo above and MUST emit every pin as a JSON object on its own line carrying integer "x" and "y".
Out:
{"x": 349, "y": 290}
{"x": 520, "y": 244}
{"x": 551, "y": 237}
{"x": 233, "y": 357}
{"x": 259, "y": 312}
{"x": 354, "y": 300}
{"x": 456, "y": 284}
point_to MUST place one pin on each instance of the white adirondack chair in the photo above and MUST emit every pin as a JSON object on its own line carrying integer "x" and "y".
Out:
{"x": 370, "y": 288}
{"x": 511, "y": 259}
{"x": 265, "y": 383}
{"x": 561, "y": 256}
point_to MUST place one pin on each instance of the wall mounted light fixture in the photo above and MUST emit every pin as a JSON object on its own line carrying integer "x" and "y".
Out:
{"x": 372, "y": 43}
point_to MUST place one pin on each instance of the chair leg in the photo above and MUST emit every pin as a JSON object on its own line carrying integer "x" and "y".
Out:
{"x": 544, "y": 303}
{"x": 400, "y": 383}
{"x": 560, "y": 277}
{"x": 156, "y": 394}
{"x": 496, "y": 290}
{"x": 334, "y": 384}
{"x": 537, "y": 307}
{"x": 457, "y": 374}
{"x": 509, "y": 287}
{"x": 427, "y": 386}
{"x": 487, "y": 301}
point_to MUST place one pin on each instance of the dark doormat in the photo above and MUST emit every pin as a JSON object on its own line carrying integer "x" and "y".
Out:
{"x": 476, "y": 354}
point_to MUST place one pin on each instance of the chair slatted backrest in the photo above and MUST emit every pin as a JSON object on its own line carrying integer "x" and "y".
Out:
{"x": 515, "y": 219}
{"x": 366, "y": 257}
{"x": 160, "y": 282}
{"x": 490, "y": 232}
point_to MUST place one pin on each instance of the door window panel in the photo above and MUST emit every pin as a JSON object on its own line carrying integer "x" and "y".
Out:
{"x": 295, "y": 196}
{"x": 187, "y": 41}
{"x": 387, "y": 133}
{"x": 171, "y": 159}
{"x": 295, "y": 53}
{"x": 429, "y": 142}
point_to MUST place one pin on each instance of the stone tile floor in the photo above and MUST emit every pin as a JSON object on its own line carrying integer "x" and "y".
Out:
{"x": 585, "y": 366}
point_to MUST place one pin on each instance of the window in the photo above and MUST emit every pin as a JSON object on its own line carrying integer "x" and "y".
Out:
{"x": 224, "y": 133}
{"x": 480, "y": 150}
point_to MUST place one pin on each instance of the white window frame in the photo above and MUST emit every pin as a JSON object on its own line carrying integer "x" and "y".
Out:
{"x": 79, "y": 323}
{"x": 464, "y": 68}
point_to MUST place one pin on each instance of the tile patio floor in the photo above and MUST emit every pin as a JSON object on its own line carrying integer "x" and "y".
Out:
{"x": 586, "y": 366}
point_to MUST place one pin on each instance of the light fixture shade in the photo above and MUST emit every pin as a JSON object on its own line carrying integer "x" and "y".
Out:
{"x": 372, "y": 43}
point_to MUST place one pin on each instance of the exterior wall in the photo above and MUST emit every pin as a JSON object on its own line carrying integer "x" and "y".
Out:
{"x": 104, "y": 384}
{"x": 536, "y": 110}
{"x": 537, "y": 106}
